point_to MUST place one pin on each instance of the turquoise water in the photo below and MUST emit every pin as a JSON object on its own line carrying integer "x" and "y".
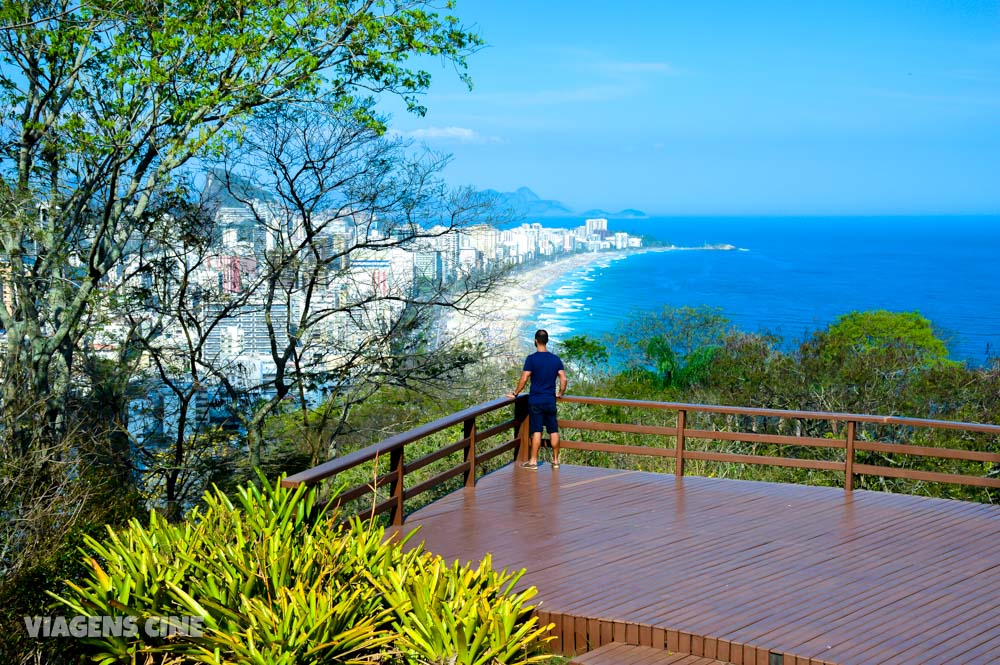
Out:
{"x": 792, "y": 276}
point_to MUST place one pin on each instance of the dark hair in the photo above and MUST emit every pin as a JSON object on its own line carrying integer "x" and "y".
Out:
{"x": 542, "y": 336}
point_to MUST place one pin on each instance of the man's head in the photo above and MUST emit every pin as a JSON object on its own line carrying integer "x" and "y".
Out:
{"x": 541, "y": 337}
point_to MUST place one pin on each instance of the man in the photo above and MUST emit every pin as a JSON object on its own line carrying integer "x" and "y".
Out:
{"x": 543, "y": 368}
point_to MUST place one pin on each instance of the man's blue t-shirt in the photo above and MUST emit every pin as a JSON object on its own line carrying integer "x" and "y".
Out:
{"x": 544, "y": 367}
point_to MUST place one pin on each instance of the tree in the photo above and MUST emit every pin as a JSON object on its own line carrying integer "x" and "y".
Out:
{"x": 746, "y": 369}
{"x": 907, "y": 339}
{"x": 673, "y": 345}
{"x": 863, "y": 360}
{"x": 344, "y": 198}
{"x": 108, "y": 111}
{"x": 304, "y": 298}
{"x": 106, "y": 104}
{"x": 583, "y": 354}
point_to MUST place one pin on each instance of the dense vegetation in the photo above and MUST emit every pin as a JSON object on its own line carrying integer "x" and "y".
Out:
{"x": 882, "y": 363}
{"x": 111, "y": 114}
{"x": 276, "y": 581}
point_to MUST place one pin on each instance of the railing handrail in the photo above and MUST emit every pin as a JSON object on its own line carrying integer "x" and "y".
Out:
{"x": 394, "y": 446}
{"x": 394, "y": 442}
{"x": 787, "y": 413}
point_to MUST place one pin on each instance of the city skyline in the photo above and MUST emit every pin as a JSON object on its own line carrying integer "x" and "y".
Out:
{"x": 364, "y": 266}
{"x": 775, "y": 109}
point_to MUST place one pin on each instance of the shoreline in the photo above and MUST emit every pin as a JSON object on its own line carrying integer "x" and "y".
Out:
{"x": 784, "y": 290}
{"x": 501, "y": 318}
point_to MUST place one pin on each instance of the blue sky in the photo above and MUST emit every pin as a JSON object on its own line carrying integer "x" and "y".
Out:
{"x": 711, "y": 107}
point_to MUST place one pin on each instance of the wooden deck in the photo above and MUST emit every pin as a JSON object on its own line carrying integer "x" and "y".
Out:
{"x": 742, "y": 572}
{"x": 620, "y": 653}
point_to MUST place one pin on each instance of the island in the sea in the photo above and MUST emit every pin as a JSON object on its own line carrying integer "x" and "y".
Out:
{"x": 627, "y": 213}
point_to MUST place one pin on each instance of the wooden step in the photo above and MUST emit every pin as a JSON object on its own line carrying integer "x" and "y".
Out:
{"x": 619, "y": 653}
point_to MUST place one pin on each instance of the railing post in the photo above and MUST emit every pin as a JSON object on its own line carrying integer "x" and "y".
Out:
{"x": 849, "y": 457}
{"x": 521, "y": 433}
{"x": 396, "y": 463}
{"x": 681, "y": 418}
{"x": 470, "y": 452}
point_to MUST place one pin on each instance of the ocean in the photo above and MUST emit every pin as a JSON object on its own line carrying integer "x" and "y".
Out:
{"x": 793, "y": 276}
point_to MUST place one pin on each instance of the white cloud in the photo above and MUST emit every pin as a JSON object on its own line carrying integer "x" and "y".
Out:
{"x": 451, "y": 135}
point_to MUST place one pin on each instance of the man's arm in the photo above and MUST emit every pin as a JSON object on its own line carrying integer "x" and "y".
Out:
{"x": 562, "y": 383}
{"x": 525, "y": 375}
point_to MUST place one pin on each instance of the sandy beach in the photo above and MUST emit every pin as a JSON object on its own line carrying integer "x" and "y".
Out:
{"x": 502, "y": 318}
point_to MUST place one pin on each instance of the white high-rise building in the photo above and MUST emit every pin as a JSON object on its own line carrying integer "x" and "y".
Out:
{"x": 595, "y": 225}
{"x": 484, "y": 239}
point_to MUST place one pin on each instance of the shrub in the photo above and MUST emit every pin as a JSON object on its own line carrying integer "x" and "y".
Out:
{"x": 276, "y": 581}
{"x": 459, "y": 615}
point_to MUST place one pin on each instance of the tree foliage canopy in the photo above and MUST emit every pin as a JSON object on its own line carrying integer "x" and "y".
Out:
{"x": 105, "y": 102}
{"x": 673, "y": 344}
{"x": 583, "y": 353}
{"x": 109, "y": 109}
{"x": 908, "y": 335}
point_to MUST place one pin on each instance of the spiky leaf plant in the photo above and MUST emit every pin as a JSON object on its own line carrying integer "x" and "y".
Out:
{"x": 459, "y": 615}
{"x": 275, "y": 581}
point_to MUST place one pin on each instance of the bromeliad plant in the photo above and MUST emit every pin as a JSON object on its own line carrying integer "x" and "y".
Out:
{"x": 274, "y": 585}
{"x": 270, "y": 584}
{"x": 459, "y": 615}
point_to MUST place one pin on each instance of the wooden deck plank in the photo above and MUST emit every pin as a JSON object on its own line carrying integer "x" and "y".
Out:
{"x": 981, "y": 652}
{"x": 850, "y": 600}
{"x": 619, "y": 653}
{"x": 735, "y": 566}
{"x": 946, "y": 632}
{"x": 745, "y": 606}
{"x": 913, "y": 646}
{"x": 893, "y": 610}
{"x": 774, "y": 629}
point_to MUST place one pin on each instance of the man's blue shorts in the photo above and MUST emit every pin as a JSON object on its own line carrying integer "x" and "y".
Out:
{"x": 543, "y": 414}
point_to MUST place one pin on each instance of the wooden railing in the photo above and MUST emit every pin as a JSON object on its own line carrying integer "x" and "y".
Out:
{"x": 471, "y": 444}
{"x": 843, "y": 435}
{"x": 850, "y": 443}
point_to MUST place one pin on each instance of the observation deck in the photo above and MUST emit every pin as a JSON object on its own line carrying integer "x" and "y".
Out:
{"x": 662, "y": 566}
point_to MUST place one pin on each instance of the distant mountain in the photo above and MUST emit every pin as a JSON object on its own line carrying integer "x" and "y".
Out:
{"x": 231, "y": 191}
{"x": 526, "y": 203}
{"x": 628, "y": 213}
